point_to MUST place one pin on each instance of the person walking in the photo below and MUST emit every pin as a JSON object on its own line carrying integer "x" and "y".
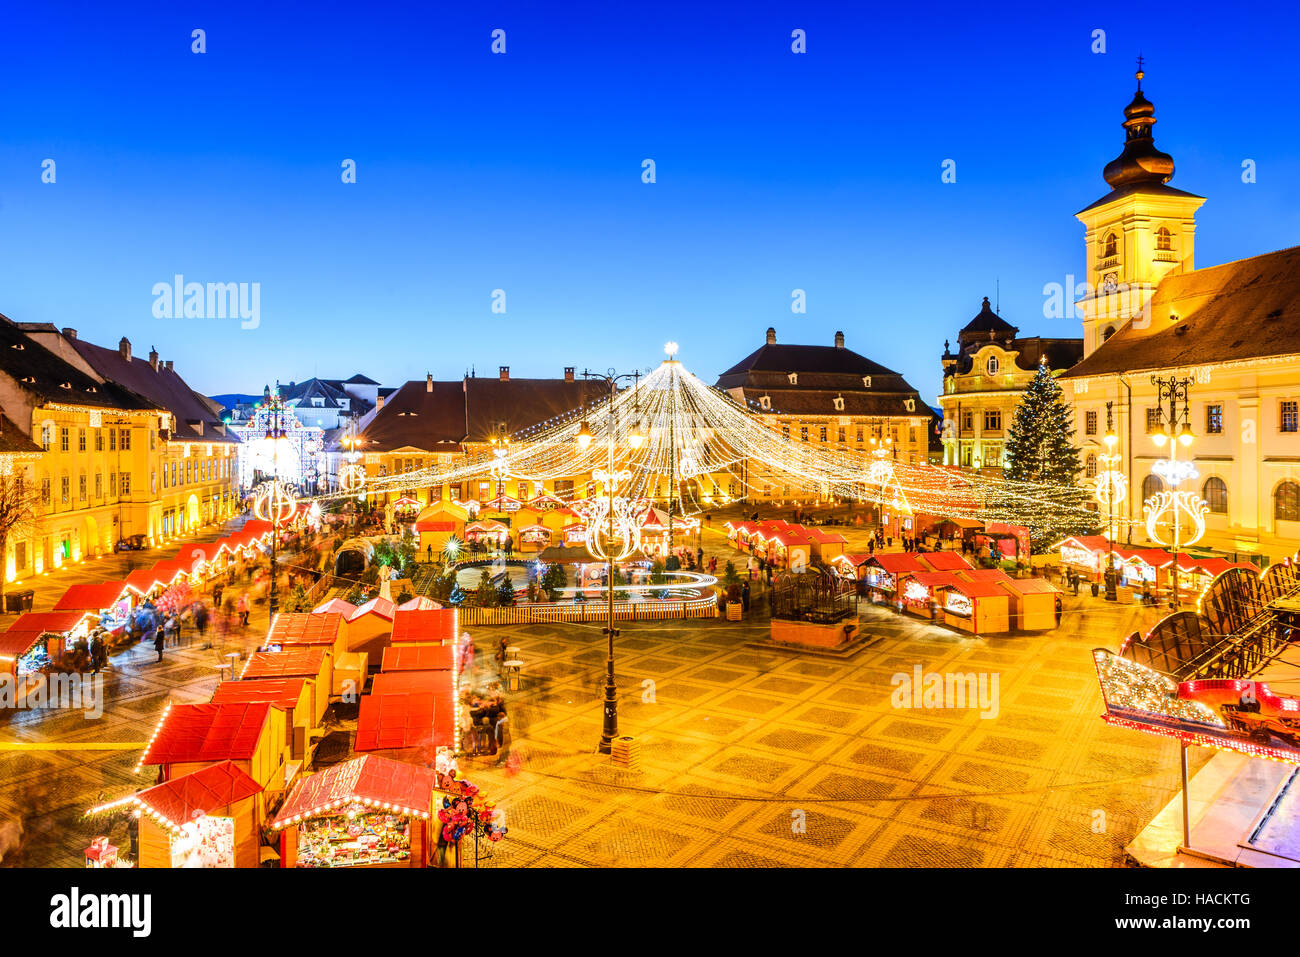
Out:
{"x": 466, "y": 653}
{"x": 242, "y": 608}
{"x": 501, "y": 655}
{"x": 744, "y": 597}
{"x": 201, "y": 618}
{"x": 699, "y": 556}
{"x": 98, "y": 653}
{"x": 159, "y": 641}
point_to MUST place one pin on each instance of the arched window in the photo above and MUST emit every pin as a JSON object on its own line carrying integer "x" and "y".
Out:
{"x": 1151, "y": 485}
{"x": 1286, "y": 502}
{"x": 992, "y": 365}
{"x": 1109, "y": 246}
{"x": 1164, "y": 240}
{"x": 1215, "y": 494}
{"x": 1110, "y": 331}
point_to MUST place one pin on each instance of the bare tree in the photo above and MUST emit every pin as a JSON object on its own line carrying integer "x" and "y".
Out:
{"x": 18, "y": 500}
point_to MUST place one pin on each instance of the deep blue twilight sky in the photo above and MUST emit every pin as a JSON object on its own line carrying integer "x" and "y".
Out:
{"x": 522, "y": 172}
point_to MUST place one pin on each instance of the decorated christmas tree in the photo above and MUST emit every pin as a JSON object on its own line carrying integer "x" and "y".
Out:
{"x": 1040, "y": 449}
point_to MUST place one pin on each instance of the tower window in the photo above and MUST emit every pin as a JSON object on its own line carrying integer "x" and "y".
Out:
{"x": 1110, "y": 246}
{"x": 1164, "y": 240}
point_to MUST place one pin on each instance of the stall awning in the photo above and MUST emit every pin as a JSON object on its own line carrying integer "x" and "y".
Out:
{"x": 420, "y": 719}
{"x": 277, "y": 692}
{"x": 27, "y": 630}
{"x": 419, "y": 658}
{"x": 178, "y": 801}
{"x": 295, "y": 661}
{"x": 425, "y": 625}
{"x": 304, "y": 628}
{"x": 369, "y": 779}
{"x": 207, "y": 732}
{"x": 91, "y": 597}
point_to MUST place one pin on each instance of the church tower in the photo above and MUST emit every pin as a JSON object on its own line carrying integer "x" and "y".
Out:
{"x": 1138, "y": 233}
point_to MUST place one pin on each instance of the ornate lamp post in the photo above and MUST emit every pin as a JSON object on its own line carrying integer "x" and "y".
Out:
{"x": 274, "y": 502}
{"x": 1111, "y": 490}
{"x": 1174, "y": 505}
{"x": 612, "y": 534}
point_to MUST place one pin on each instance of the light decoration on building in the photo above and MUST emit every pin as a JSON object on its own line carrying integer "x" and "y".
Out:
{"x": 696, "y": 432}
{"x": 352, "y": 476}
{"x": 274, "y": 444}
{"x": 1175, "y": 508}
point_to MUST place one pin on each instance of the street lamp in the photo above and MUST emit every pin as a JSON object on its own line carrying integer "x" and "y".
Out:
{"x": 619, "y": 542}
{"x": 1175, "y": 428}
{"x": 1111, "y": 490}
{"x": 500, "y": 441}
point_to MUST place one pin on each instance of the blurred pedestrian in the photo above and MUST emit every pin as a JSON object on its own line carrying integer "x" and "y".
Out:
{"x": 159, "y": 641}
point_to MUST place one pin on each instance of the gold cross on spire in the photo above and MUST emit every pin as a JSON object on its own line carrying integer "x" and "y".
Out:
{"x": 1140, "y": 74}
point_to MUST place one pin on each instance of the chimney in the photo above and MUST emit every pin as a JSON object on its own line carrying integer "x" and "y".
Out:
{"x": 168, "y": 365}
{"x": 153, "y": 358}
{"x": 839, "y": 340}
{"x": 505, "y": 373}
{"x": 428, "y": 382}
{"x": 69, "y": 333}
{"x": 771, "y": 336}
{"x": 379, "y": 403}
{"x": 568, "y": 373}
{"x": 124, "y": 348}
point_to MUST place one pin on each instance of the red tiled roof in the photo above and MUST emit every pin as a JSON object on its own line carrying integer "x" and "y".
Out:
{"x": 91, "y": 597}
{"x": 429, "y": 625}
{"x": 199, "y": 792}
{"x": 24, "y": 632}
{"x": 423, "y": 719}
{"x": 304, "y": 628}
{"x": 207, "y": 732}
{"x": 277, "y": 692}
{"x": 419, "y": 658}
{"x": 943, "y": 561}
{"x": 367, "y": 779}
{"x": 295, "y": 661}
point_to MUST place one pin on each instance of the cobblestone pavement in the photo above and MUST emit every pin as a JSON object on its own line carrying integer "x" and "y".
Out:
{"x": 737, "y": 743}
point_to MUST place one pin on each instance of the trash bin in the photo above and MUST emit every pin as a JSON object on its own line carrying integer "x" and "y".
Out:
{"x": 19, "y": 601}
{"x": 1095, "y": 589}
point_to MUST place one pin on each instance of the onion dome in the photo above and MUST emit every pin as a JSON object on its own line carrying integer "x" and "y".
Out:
{"x": 1140, "y": 162}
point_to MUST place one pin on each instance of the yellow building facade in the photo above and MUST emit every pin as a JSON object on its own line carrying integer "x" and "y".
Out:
{"x": 1231, "y": 331}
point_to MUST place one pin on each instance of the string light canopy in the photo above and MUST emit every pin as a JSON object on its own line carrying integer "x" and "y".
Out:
{"x": 689, "y": 433}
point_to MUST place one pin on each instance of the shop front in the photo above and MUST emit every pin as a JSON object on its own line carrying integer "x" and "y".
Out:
{"x": 980, "y": 607}
{"x": 1085, "y": 555}
{"x": 886, "y": 572}
{"x": 534, "y": 538}
{"x": 38, "y": 639}
{"x": 366, "y": 812}
{"x": 109, "y": 601}
{"x": 923, "y": 593}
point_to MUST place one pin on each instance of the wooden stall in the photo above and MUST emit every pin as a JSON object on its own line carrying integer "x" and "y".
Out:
{"x": 298, "y": 661}
{"x": 886, "y": 573}
{"x": 979, "y": 607}
{"x": 330, "y": 631}
{"x": 408, "y": 716}
{"x": 293, "y": 696}
{"x": 370, "y": 628}
{"x": 416, "y": 627}
{"x": 190, "y": 737}
{"x": 1033, "y": 603}
{"x": 826, "y": 546}
{"x": 211, "y": 817}
{"x": 37, "y": 638}
{"x": 419, "y": 658}
{"x": 366, "y": 812}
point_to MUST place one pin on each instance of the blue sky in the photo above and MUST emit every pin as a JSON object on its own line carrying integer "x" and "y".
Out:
{"x": 522, "y": 172}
